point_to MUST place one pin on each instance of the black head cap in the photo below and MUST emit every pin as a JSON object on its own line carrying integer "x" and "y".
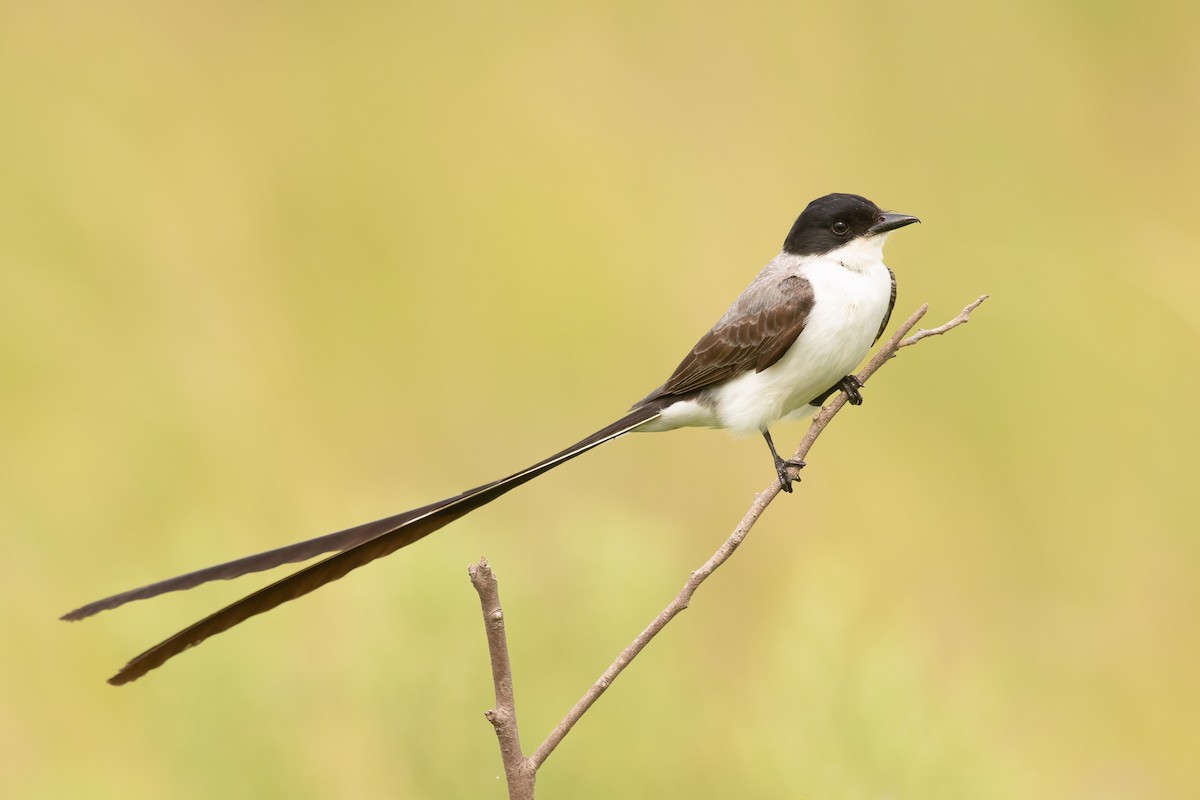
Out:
{"x": 835, "y": 219}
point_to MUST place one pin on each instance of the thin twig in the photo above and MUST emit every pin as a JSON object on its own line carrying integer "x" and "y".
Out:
{"x": 961, "y": 319}
{"x": 519, "y": 772}
{"x": 761, "y": 501}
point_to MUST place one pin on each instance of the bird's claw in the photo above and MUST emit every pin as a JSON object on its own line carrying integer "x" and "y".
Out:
{"x": 851, "y": 385}
{"x": 781, "y": 468}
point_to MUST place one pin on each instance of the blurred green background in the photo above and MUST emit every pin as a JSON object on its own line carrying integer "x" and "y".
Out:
{"x": 269, "y": 271}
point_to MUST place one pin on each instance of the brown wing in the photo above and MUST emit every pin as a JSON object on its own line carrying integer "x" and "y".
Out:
{"x": 891, "y": 305}
{"x": 755, "y": 334}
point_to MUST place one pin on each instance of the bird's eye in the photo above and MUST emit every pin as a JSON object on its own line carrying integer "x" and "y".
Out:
{"x": 839, "y": 228}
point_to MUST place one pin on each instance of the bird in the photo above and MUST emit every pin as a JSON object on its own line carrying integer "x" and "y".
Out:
{"x": 788, "y": 342}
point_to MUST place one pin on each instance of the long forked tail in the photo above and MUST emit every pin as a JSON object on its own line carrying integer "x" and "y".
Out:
{"x": 359, "y": 545}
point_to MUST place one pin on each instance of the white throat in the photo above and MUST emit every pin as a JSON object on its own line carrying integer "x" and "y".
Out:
{"x": 859, "y": 255}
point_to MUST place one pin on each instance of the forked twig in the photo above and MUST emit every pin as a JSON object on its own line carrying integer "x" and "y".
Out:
{"x": 962, "y": 319}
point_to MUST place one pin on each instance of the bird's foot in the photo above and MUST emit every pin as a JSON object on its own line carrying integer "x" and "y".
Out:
{"x": 851, "y": 385}
{"x": 781, "y": 466}
{"x": 781, "y": 469}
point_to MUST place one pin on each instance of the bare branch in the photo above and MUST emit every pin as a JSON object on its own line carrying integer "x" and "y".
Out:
{"x": 761, "y": 501}
{"x": 519, "y": 772}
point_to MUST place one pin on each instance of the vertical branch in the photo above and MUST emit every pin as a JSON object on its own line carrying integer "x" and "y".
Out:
{"x": 519, "y": 773}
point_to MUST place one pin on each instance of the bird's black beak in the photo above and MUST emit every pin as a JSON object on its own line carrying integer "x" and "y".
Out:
{"x": 889, "y": 221}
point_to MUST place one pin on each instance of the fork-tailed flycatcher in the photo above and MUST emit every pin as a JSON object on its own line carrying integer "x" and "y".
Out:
{"x": 785, "y": 345}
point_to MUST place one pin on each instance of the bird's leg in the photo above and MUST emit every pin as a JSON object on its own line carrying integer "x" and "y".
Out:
{"x": 850, "y": 385}
{"x": 781, "y": 466}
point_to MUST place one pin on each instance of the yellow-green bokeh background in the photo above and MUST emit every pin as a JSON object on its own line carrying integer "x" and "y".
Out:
{"x": 269, "y": 271}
